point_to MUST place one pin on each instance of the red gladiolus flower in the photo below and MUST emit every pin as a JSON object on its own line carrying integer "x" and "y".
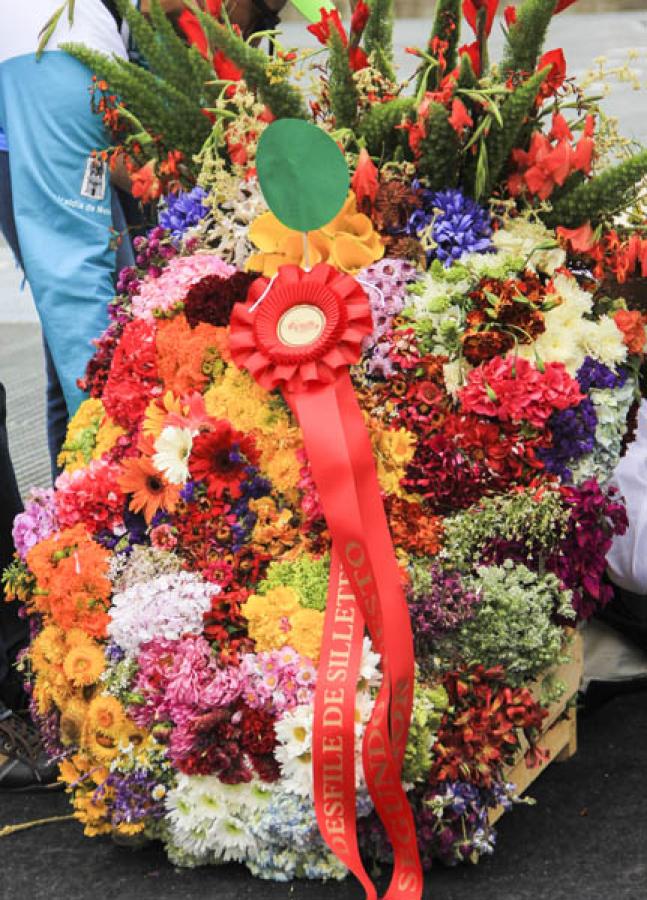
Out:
{"x": 365, "y": 180}
{"x": 585, "y": 148}
{"x": 321, "y": 29}
{"x": 357, "y": 58}
{"x": 510, "y": 15}
{"x": 471, "y": 9}
{"x": 580, "y": 240}
{"x": 474, "y": 53}
{"x": 562, "y": 5}
{"x": 360, "y": 17}
{"x": 555, "y": 59}
{"x": 460, "y": 119}
{"x": 225, "y": 68}
{"x": 144, "y": 183}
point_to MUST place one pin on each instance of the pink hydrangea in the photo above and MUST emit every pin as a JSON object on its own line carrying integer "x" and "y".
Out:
{"x": 165, "y": 293}
{"x": 512, "y": 389}
{"x": 36, "y": 523}
{"x": 277, "y": 680}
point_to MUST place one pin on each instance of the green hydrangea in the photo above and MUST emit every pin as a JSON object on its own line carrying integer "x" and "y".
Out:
{"x": 429, "y": 706}
{"x": 513, "y": 625}
{"x": 306, "y": 575}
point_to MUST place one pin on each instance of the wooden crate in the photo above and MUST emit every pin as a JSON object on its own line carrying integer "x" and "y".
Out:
{"x": 559, "y": 733}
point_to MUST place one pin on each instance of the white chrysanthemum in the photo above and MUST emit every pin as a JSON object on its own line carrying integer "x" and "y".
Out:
{"x": 297, "y": 773}
{"x": 166, "y": 607}
{"x": 172, "y": 451}
{"x": 530, "y": 241}
{"x": 578, "y": 301}
{"x": 555, "y": 345}
{"x": 604, "y": 341}
{"x": 364, "y": 703}
{"x": 232, "y": 840}
{"x": 369, "y": 668}
{"x": 294, "y": 732}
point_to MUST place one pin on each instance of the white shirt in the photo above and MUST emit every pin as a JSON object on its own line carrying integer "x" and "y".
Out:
{"x": 23, "y": 22}
{"x": 627, "y": 559}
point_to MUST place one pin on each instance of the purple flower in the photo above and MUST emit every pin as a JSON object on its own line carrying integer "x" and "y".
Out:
{"x": 441, "y": 608}
{"x": 457, "y": 224}
{"x": 133, "y": 799}
{"x": 594, "y": 374}
{"x": 36, "y": 523}
{"x": 184, "y": 211}
{"x": 573, "y": 433}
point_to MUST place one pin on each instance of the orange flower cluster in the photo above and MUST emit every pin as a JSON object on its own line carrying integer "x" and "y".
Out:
{"x": 73, "y": 584}
{"x": 182, "y": 351}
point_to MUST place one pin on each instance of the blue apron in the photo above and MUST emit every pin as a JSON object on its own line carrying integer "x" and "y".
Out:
{"x": 62, "y": 204}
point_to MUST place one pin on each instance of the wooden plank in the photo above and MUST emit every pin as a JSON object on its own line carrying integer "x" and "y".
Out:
{"x": 559, "y": 732}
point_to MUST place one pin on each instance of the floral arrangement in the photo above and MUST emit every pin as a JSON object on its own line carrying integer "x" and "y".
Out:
{"x": 177, "y": 576}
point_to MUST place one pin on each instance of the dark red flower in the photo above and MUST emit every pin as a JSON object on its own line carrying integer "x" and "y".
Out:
{"x": 212, "y": 298}
{"x": 220, "y": 458}
{"x": 510, "y": 15}
{"x": 360, "y": 17}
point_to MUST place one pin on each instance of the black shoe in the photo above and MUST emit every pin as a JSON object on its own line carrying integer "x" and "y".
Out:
{"x": 24, "y": 766}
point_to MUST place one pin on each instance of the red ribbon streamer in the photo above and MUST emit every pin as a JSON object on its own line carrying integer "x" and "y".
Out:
{"x": 307, "y": 330}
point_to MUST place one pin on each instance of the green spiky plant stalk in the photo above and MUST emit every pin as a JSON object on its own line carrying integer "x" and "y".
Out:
{"x": 526, "y": 37}
{"x": 601, "y": 196}
{"x": 378, "y": 36}
{"x": 439, "y": 160}
{"x": 379, "y": 126}
{"x": 160, "y": 107}
{"x": 447, "y": 27}
{"x": 502, "y": 139}
{"x": 281, "y": 98}
{"x": 344, "y": 98}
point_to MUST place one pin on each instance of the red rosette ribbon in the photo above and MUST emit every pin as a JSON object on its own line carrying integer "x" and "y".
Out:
{"x": 300, "y": 333}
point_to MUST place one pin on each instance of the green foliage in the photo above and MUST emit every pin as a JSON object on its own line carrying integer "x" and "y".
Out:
{"x": 306, "y": 575}
{"x": 344, "y": 98}
{"x": 536, "y": 525}
{"x": 503, "y": 138}
{"x": 603, "y": 195}
{"x": 164, "y": 51}
{"x": 467, "y": 79}
{"x": 378, "y": 36}
{"x": 429, "y": 706}
{"x": 439, "y": 159}
{"x": 379, "y": 126}
{"x": 513, "y": 624}
{"x": 526, "y": 37}
{"x": 282, "y": 98}
{"x": 447, "y": 27}
{"x": 156, "y": 104}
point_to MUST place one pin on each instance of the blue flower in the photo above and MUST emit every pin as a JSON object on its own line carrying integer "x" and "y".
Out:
{"x": 455, "y": 223}
{"x": 184, "y": 211}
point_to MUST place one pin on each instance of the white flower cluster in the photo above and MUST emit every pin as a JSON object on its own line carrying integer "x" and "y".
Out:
{"x": 169, "y": 607}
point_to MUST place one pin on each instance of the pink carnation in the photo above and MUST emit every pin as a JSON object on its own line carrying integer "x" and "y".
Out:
{"x": 514, "y": 390}
{"x": 165, "y": 293}
{"x": 91, "y": 496}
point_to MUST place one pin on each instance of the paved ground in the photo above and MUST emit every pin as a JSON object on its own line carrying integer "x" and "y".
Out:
{"x": 585, "y": 840}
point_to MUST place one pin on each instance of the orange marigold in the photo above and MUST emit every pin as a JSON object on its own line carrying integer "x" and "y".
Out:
{"x": 632, "y": 326}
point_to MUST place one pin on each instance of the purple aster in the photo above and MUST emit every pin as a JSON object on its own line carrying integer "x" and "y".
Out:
{"x": 594, "y": 374}
{"x": 458, "y": 224}
{"x": 184, "y": 211}
{"x": 133, "y": 797}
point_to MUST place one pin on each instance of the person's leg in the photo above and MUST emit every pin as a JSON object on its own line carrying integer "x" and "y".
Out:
{"x": 14, "y": 630}
{"x": 57, "y": 417}
{"x": 62, "y": 205}
{"x": 56, "y": 407}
